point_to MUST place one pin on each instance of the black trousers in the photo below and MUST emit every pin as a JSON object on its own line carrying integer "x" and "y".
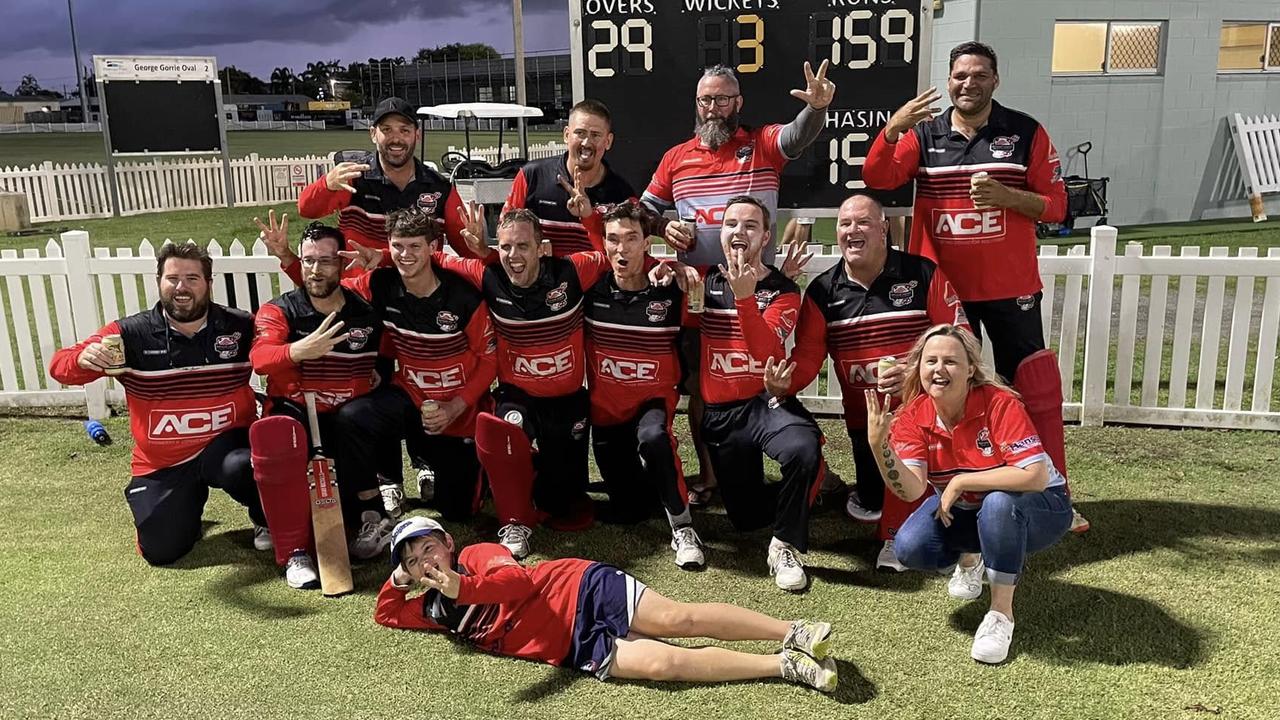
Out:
{"x": 736, "y": 434}
{"x": 638, "y": 463}
{"x": 167, "y": 504}
{"x": 1014, "y": 327}
{"x": 870, "y": 488}
{"x": 354, "y": 450}
{"x": 458, "y": 480}
{"x": 558, "y": 427}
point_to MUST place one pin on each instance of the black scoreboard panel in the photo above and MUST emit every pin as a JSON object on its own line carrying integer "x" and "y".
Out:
{"x": 162, "y": 116}
{"x": 643, "y": 59}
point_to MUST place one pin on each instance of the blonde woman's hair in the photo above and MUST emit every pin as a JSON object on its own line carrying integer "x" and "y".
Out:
{"x": 982, "y": 373}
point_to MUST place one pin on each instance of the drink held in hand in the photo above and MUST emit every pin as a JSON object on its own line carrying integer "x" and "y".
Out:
{"x": 885, "y": 365}
{"x": 691, "y": 227}
{"x": 114, "y": 346}
{"x": 697, "y": 295}
{"x": 429, "y": 406}
{"x": 973, "y": 185}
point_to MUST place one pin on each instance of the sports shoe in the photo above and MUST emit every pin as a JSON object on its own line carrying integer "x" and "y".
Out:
{"x": 515, "y": 537}
{"x": 261, "y": 538}
{"x": 300, "y": 572}
{"x": 374, "y": 535}
{"x": 688, "y": 547}
{"x": 1079, "y": 524}
{"x": 809, "y": 637}
{"x": 800, "y": 668}
{"x": 991, "y": 642}
{"x": 966, "y": 583}
{"x": 392, "y": 499}
{"x": 854, "y": 510}
{"x": 888, "y": 559}
{"x": 786, "y": 567}
{"x": 426, "y": 484}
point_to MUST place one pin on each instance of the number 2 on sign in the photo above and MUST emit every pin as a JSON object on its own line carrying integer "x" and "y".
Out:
{"x": 637, "y": 38}
{"x": 841, "y": 151}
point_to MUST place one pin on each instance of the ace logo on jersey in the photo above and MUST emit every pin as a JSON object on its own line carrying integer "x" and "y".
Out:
{"x": 196, "y": 422}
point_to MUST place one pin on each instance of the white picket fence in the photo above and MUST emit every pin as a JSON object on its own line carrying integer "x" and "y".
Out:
{"x": 19, "y": 128}
{"x": 1257, "y": 143}
{"x": 490, "y": 154}
{"x": 275, "y": 125}
{"x": 1140, "y": 337}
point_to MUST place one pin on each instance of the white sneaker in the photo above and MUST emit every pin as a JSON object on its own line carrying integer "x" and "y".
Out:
{"x": 786, "y": 567}
{"x": 688, "y": 547}
{"x": 888, "y": 559}
{"x": 854, "y": 509}
{"x": 800, "y": 668}
{"x": 811, "y": 638}
{"x": 426, "y": 484}
{"x": 392, "y": 499}
{"x": 1079, "y": 523}
{"x": 515, "y": 538}
{"x": 300, "y": 572}
{"x": 966, "y": 583}
{"x": 991, "y": 642}
{"x": 374, "y": 535}
{"x": 262, "y": 538}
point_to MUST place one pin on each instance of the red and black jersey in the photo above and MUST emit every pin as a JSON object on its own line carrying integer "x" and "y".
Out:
{"x": 443, "y": 344}
{"x": 989, "y": 254}
{"x": 502, "y": 607}
{"x": 362, "y": 217}
{"x": 539, "y": 328}
{"x": 859, "y": 325}
{"x": 632, "y": 348}
{"x": 182, "y": 392}
{"x": 738, "y": 336}
{"x": 537, "y": 188}
{"x": 343, "y": 373}
{"x": 994, "y": 432}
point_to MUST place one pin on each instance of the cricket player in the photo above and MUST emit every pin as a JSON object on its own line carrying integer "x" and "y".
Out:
{"x": 185, "y": 371}
{"x": 585, "y": 615}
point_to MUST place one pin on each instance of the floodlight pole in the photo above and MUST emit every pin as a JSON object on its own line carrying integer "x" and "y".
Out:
{"x": 517, "y": 15}
{"x": 75, "y": 51}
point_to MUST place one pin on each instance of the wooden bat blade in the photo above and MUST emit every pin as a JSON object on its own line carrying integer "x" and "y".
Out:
{"x": 330, "y": 532}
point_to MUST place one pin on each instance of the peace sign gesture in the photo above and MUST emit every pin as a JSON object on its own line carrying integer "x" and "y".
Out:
{"x": 742, "y": 275}
{"x": 444, "y": 579}
{"x": 818, "y": 91}
{"x": 777, "y": 376}
{"x": 319, "y": 342}
{"x": 795, "y": 260}
{"x": 473, "y": 230}
{"x": 879, "y": 418}
{"x": 275, "y": 237}
{"x": 579, "y": 204}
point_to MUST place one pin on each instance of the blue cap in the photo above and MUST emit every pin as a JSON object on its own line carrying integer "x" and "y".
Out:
{"x": 408, "y": 529}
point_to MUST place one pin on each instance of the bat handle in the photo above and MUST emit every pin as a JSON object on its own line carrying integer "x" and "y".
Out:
{"x": 313, "y": 419}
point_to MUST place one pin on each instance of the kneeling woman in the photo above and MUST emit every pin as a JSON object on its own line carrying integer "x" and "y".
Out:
{"x": 996, "y": 495}
{"x": 586, "y": 615}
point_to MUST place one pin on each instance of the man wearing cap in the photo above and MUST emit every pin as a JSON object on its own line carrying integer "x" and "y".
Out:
{"x": 586, "y": 615}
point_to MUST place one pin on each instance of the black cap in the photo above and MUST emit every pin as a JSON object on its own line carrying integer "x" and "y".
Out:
{"x": 394, "y": 106}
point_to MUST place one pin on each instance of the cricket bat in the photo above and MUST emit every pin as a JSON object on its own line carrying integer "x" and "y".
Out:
{"x": 326, "y": 514}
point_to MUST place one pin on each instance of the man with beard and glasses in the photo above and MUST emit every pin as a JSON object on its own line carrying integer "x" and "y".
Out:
{"x": 562, "y": 190}
{"x": 185, "y": 371}
{"x": 323, "y": 339}
{"x": 724, "y": 159}
{"x": 985, "y": 174}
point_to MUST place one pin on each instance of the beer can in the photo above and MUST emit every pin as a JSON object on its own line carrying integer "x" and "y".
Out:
{"x": 114, "y": 345}
{"x": 691, "y": 227}
{"x": 973, "y": 181}
{"x": 886, "y": 364}
{"x": 429, "y": 406}
{"x": 696, "y": 297}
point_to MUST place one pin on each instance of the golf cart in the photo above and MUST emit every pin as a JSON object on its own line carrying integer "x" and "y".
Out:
{"x": 477, "y": 180}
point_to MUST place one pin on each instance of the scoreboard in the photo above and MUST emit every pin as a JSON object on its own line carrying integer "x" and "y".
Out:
{"x": 643, "y": 59}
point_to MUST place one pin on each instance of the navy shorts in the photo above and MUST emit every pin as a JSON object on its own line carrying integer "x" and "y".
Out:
{"x": 607, "y": 602}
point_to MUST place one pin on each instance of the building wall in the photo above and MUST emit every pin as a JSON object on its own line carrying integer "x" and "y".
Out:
{"x": 1163, "y": 140}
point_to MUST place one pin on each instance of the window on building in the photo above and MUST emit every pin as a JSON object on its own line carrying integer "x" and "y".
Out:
{"x": 1244, "y": 46}
{"x": 486, "y": 94}
{"x": 1107, "y": 47}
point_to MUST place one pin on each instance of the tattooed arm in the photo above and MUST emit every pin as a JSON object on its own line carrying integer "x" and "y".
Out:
{"x": 905, "y": 481}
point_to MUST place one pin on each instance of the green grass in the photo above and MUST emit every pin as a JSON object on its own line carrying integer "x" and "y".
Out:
{"x": 33, "y": 149}
{"x": 1167, "y": 603}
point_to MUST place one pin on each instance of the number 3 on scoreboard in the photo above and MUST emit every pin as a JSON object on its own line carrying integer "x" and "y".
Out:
{"x": 630, "y": 45}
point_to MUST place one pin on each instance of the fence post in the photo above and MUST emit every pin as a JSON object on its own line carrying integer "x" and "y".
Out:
{"x": 50, "y": 191}
{"x": 1097, "y": 337}
{"x": 84, "y": 309}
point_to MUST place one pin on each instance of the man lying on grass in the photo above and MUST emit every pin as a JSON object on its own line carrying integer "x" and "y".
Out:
{"x": 585, "y": 615}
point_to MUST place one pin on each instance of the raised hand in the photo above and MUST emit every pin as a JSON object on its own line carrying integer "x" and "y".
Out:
{"x": 579, "y": 204}
{"x": 443, "y": 579}
{"x": 341, "y": 175}
{"x": 742, "y": 276}
{"x": 275, "y": 237}
{"x": 795, "y": 259}
{"x": 473, "y": 228}
{"x": 361, "y": 257}
{"x": 777, "y": 377}
{"x": 95, "y": 357}
{"x": 818, "y": 90}
{"x": 677, "y": 235}
{"x": 879, "y": 418}
{"x": 319, "y": 342}
{"x": 915, "y": 111}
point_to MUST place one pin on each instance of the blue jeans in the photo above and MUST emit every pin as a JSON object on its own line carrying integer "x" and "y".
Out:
{"x": 1006, "y": 529}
